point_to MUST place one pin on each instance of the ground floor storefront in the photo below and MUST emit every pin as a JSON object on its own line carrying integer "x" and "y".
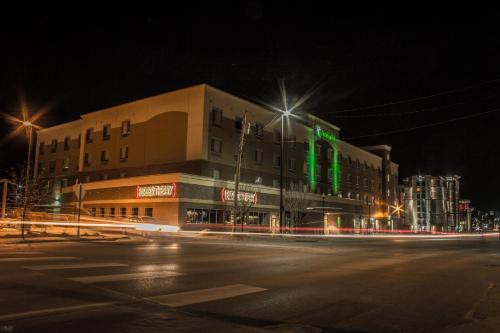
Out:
{"x": 193, "y": 202}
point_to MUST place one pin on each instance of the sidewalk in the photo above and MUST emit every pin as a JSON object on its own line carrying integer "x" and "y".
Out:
{"x": 56, "y": 234}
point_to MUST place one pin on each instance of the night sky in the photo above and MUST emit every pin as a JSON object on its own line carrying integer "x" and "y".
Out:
{"x": 79, "y": 62}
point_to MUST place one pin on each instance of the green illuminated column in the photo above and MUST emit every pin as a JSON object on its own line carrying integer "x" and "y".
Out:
{"x": 335, "y": 170}
{"x": 311, "y": 162}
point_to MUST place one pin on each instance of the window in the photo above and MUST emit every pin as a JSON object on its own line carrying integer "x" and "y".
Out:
{"x": 388, "y": 178}
{"x": 216, "y": 117}
{"x": 40, "y": 168}
{"x": 306, "y": 146}
{"x": 54, "y": 146}
{"x": 349, "y": 179}
{"x": 148, "y": 211}
{"x": 112, "y": 212}
{"x": 292, "y": 164}
{"x": 276, "y": 182}
{"x": 67, "y": 141}
{"x": 101, "y": 212}
{"x": 329, "y": 154}
{"x": 216, "y": 173}
{"x": 52, "y": 166}
{"x": 259, "y": 156}
{"x": 41, "y": 148}
{"x": 89, "y": 135}
{"x": 125, "y": 127}
{"x": 92, "y": 211}
{"x": 66, "y": 164}
{"x": 135, "y": 211}
{"x": 357, "y": 180}
{"x": 123, "y": 212}
{"x": 87, "y": 159}
{"x": 64, "y": 182}
{"x": 365, "y": 183}
{"x": 238, "y": 123}
{"x": 216, "y": 146}
{"x": 318, "y": 151}
{"x": 106, "y": 132}
{"x": 104, "y": 156}
{"x": 276, "y": 160}
{"x": 318, "y": 171}
{"x": 305, "y": 167}
{"x": 357, "y": 164}
{"x": 259, "y": 130}
{"x": 123, "y": 153}
{"x": 292, "y": 141}
{"x": 329, "y": 173}
{"x": 277, "y": 137}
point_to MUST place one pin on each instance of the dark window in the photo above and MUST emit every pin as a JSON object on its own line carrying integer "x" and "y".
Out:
{"x": 123, "y": 211}
{"x": 259, "y": 130}
{"x": 88, "y": 159}
{"x": 148, "y": 211}
{"x": 101, "y": 212}
{"x": 54, "y": 146}
{"x": 89, "y": 135}
{"x": 41, "y": 148}
{"x": 238, "y": 123}
{"x": 112, "y": 212}
{"x": 216, "y": 146}
{"x": 67, "y": 141}
{"x": 216, "y": 117}
{"x": 135, "y": 211}
{"x": 106, "y": 132}
{"x": 52, "y": 166}
{"x": 104, "y": 156}
{"x": 93, "y": 211}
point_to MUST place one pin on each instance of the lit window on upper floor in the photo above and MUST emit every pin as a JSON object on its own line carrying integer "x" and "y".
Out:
{"x": 65, "y": 164}
{"x": 104, "y": 156}
{"x": 216, "y": 146}
{"x": 123, "y": 154}
{"x": 125, "y": 127}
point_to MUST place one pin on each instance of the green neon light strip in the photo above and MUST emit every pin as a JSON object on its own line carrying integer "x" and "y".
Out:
{"x": 311, "y": 159}
{"x": 335, "y": 171}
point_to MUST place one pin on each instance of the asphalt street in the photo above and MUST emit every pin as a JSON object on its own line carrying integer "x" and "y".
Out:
{"x": 251, "y": 285}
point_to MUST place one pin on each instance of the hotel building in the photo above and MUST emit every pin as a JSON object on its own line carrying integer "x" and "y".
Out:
{"x": 172, "y": 157}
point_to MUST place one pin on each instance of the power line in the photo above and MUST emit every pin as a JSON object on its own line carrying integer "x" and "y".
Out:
{"x": 423, "y": 126}
{"x": 414, "y": 99}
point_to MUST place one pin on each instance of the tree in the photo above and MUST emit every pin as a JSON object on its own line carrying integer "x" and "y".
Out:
{"x": 25, "y": 198}
{"x": 296, "y": 203}
{"x": 248, "y": 196}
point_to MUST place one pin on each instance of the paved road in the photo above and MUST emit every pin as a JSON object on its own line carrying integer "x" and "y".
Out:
{"x": 254, "y": 285}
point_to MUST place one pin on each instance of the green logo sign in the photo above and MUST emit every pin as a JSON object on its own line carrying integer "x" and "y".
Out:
{"x": 324, "y": 134}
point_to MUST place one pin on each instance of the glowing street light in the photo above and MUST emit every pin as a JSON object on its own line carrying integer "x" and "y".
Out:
{"x": 27, "y": 123}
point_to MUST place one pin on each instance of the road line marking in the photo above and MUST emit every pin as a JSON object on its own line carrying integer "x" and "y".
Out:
{"x": 205, "y": 295}
{"x": 37, "y": 258}
{"x": 22, "y": 315}
{"x": 19, "y": 252}
{"x": 74, "y": 266}
{"x": 470, "y": 314}
{"x": 123, "y": 277}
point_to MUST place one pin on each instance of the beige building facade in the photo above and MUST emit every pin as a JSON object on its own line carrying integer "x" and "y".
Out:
{"x": 172, "y": 157}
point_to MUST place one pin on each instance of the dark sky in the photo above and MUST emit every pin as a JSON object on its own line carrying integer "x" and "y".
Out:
{"x": 80, "y": 61}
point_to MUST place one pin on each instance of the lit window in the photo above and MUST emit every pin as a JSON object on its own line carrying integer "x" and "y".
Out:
{"x": 291, "y": 164}
{"x": 124, "y": 153}
{"x": 66, "y": 163}
{"x": 125, "y": 127}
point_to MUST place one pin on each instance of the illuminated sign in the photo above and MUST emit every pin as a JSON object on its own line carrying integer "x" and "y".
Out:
{"x": 324, "y": 134}
{"x": 156, "y": 191}
{"x": 243, "y": 196}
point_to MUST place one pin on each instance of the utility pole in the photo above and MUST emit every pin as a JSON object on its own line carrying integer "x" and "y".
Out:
{"x": 4, "y": 196}
{"x": 282, "y": 215}
{"x": 79, "y": 208}
{"x": 238, "y": 168}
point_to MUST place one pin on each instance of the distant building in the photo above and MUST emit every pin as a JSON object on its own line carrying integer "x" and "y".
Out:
{"x": 464, "y": 214}
{"x": 431, "y": 202}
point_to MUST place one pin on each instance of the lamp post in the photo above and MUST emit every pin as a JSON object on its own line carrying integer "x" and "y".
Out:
{"x": 323, "y": 207}
{"x": 29, "y": 127}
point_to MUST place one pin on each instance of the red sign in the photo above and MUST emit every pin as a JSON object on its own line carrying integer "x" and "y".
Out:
{"x": 156, "y": 191}
{"x": 243, "y": 196}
